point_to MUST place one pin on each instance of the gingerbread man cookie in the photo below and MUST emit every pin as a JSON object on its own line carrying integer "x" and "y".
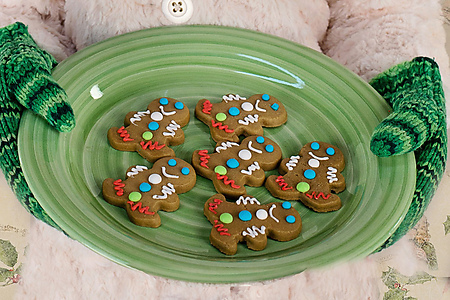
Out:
{"x": 234, "y": 165}
{"x": 247, "y": 220}
{"x": 151, "y": 132}
{"x": 236, "y": 115}
{"x": 146, "y": 191}
{"x": 313, "y": 177}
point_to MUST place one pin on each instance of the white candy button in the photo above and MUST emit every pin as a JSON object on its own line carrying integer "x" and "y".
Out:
{"x": 179, "y": 11}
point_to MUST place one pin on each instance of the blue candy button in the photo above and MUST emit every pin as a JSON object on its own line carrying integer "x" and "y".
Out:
{"x": 232, "y": 163}
{"x": 330, "y": 151}
{"x": 260, "y": 139}
{"x": 163, "y": 101}
{"x": 270, "y": 148}
{"x": 153, "y": 126}
{"x": 185, "y": 171}
{"x": 286, "y": 205}
{"x": 179, "y": 105}
{"x": 290, "y": 219}
{"x": 265, "y": 97}
{"x": 245, "y": 215}
{"x": 315, "y": 146}
{"x": 145, "y": 187}
{"x": 309, "y": 174}
{"x": 172, "y": 162}
{"x": 234, "y": 111}
{"x": 275, "y": 106}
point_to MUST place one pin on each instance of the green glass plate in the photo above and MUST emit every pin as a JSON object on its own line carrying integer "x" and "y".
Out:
{"x": 324, "y": 100}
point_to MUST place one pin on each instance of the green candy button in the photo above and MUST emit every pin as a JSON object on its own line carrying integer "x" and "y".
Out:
{"x": 221, "y": 117}
{"x": 147, "y": 135}
{"x": 303, "y": 187}
{"x": 221, "y": 170}
{"x": 134, "y": 196}
{"x": 226, "y": 218}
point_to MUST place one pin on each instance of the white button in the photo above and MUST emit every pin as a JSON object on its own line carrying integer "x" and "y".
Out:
{"x": 177, "y": 11}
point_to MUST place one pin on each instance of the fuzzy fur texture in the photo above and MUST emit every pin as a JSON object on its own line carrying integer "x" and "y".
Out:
{"x": 368, "y": 37}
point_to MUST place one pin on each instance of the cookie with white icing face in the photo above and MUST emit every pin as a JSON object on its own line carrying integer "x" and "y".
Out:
{"x": 234, "y": 165}
{"x": 237, "y": 115}
{"x": 313, "y": 177}
{"x": 152, "y": 131}
{"x": 249, "y": 221}
{"x": 146, "y": 191}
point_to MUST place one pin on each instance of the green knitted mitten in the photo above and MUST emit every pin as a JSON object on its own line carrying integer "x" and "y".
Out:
{"x": 26, "y": 82}
{"x": 418, "y": 123}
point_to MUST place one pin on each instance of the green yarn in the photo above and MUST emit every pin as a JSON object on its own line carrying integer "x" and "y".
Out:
{"x": 26, "y": 82}
{"x": 418, "y": 123}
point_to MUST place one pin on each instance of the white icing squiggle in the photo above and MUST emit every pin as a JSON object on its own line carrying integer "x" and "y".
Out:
{"x": 245, "y": 200}
{"x": 271, "y": 213}
{"x": 166, "y": 190}
{"x": 252, "y": 168}
{"x": 293, "y": 161}
{"x": 171, "y": 128}
{"x": 136, "y": 170}
{"x": 137, "y": 116}
{"x": 225, "y": 146}
{"x": 167, "y": 113}
{"x": 253, "y": 232}
{"x": 231, "y": 97}
{"x": 259, "y": 108}
{"x": 249, "y": 146}
{"x": 163, "y": 171}
{"x": 249, "y": 119}
{"x": 332, "y": 175}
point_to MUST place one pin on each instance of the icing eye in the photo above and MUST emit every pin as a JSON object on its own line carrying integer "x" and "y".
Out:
{"x": 290, "y": 219}
{"x": 153, "y": 126}
{"x": 185, "y": 171}
{"x": 286, "y": 205}
{"x": 315, "y": 146}
{"x": 309, "y": 174}
{"x": 234, "y": 111}
{"x": 262, "y": 214}
{"x": 172, "y": 162}
{"x": 221, "y": 170}
{"x": 221, "y": 117}
{"x": 154, "y": 178}
{"x": 330, "y": 151}
{"x": 179, "y": 105}
{"x": 156, "y": 116}
{"x": 260, "y": 139}
{"x": 247, "y": 106}
{"x": 245, "y": 154}
{"x": 226, "y": 218}
{"x": 145, "y": 187}
{"x": 245, "y": 215}
{"x": 265, "y": 97}
{"x": 232, "y": 163}
{"x": 269, "y": 148}
{"x": 275, "y": 106}
{"x": 163, "y": 101}
{"x": 147, "y": 135}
